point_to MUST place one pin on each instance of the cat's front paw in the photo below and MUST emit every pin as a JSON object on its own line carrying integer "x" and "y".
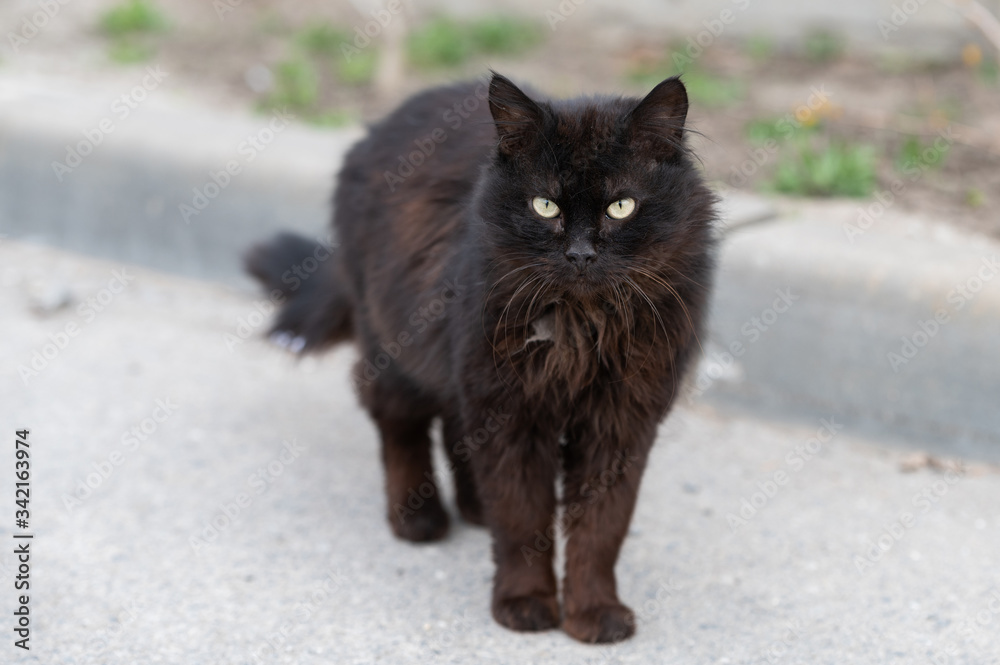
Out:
{"x": 527, "y": 613}
{"x": 601, "y": 625}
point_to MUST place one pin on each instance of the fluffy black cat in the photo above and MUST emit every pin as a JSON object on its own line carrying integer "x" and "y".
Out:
{"x": 535, "y": 273}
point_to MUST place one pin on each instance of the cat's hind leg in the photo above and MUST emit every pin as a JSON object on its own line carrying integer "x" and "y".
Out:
{"x": 414, "y": 505}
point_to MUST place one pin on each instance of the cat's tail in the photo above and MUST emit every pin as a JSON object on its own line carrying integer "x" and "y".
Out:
{"x": 301, "y": 275}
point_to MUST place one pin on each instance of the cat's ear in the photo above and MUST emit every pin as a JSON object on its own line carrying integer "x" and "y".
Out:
{"x": 658, "y": 120}
{"x": 517, "y": 117}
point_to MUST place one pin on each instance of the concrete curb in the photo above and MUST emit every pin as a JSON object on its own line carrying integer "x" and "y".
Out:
{"x": 124, "y": 199}
{"x": 849, "y": 307}
{"x": 895, "y": 333}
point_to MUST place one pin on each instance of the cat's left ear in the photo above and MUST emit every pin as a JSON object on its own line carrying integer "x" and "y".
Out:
{"x": 659, "y": 118}
{"x": 518, "y": 118}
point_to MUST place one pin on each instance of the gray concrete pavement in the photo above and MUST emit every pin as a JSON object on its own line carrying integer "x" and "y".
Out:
{"x": 130, "y": 571}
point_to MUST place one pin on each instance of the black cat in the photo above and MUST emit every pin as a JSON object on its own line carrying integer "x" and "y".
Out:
{"x": 534, "y": 273}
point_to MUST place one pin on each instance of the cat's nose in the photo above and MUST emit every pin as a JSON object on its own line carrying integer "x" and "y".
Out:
{"x": 581, "y": 253}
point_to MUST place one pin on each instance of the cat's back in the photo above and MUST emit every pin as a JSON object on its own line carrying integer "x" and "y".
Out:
{"x": 402, "y": 203}
{"x": 404, "y": 189}
{"x": 437, "y": 137}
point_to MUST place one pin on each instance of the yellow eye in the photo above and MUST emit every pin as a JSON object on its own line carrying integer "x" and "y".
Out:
{"x": 544, "y": 207}
{"x": 621, "y": 208}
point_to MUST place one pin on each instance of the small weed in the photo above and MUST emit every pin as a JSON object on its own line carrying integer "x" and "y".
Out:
{"x": 296, "y": 86}
{"x": 703, "y": 88}
{"x": 444, "y": 42}
{"x": 322, "y": 38}
{"x": 914, "y": 153}
{"x": 440, "y": 43}
{"x": 130, "y": 52}
{"x": 359, "y": 70}
{"x": 974, "y": 197}
{"x": 504, "y": 35}
{"x": 131, "y": 18}
{"x": 130, "y": 26}
{"x": 837, "y": 168}
{"x": 823, "y": 46}
{"x": 759, "y": 48}
{"x": 989, "y": 71}
{"x": 762, "y": 130}
{"x": 714, "y": 91}
{"x": 335, "y": 118}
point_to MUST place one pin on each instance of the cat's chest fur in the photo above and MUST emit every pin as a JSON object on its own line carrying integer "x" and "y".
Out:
{"x": 569, "y": 348}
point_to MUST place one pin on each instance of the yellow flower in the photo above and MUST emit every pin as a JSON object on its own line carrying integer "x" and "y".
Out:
{"x": 972, "y": 55}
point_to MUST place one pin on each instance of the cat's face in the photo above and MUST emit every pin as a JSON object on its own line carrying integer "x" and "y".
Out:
{"x": 584, "y": 197}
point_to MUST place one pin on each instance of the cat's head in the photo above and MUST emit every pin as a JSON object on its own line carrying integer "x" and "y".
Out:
{"x": 589, "y": 196}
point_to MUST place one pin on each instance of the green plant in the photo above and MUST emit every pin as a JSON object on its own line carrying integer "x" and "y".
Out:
{"x": 358, "y": 70}
{"x": 504, "y": 34}
{"x": 759, "y": 47}
{"x": 334, "y": 118}
{"x": 810, "y": 167}
{"x": 715, "y": 91}
{"x": 128, "y": 52}
{"x": 444, "y": 42}
{"x": 762, "y": 130}
{"x": 974, "y": 197}
{"x": 296, "y": 86}
{"x": 440, "y": 43}
{"x": 822, "y": 46}
{"x": 913, "y": 153}
{"x": 989, "y": 71}
{"x": 703, "y": 88}
{"x": 322, "y": 38}
{"x": 132, "y": 17}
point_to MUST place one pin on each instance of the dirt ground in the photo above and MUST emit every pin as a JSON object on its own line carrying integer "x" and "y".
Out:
{"x": 880, "y": 101}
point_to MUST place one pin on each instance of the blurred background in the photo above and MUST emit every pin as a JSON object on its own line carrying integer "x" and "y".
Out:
{"x": 855, "y": 146}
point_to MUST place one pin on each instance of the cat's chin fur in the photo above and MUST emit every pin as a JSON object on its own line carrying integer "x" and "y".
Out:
{"x": 548, "y": 347}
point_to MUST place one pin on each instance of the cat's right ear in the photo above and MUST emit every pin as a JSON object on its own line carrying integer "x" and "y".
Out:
{"x": 517, "y": 117}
